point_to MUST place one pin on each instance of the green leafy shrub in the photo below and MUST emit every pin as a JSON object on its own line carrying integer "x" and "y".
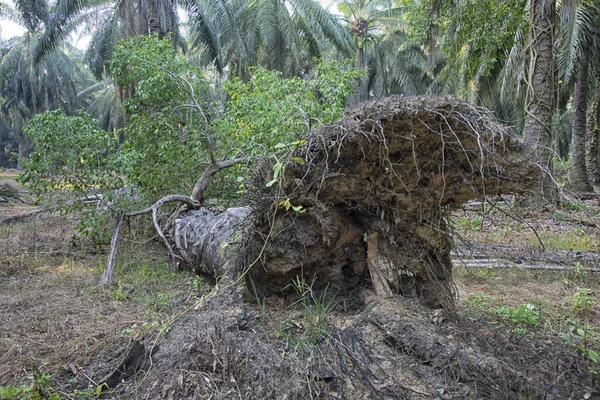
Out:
{"x": 582, "y": 300}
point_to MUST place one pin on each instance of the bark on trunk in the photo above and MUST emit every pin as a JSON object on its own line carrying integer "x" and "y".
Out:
{"x": 391, "y": 169}
{"x": 578, "y": 177}
{"x": 154, "y": 22}
{"x": 131, "y": 22}
{"x": 24, "y": 149}
{"x": 593, "y": 140}
{"x": 537, "y": 132}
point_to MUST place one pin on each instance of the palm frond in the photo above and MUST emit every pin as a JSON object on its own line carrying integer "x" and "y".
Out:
{"x": 58, "y": 25}
{"x": 32, "y": 13}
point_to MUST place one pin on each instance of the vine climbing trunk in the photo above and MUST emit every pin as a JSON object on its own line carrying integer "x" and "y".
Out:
{"x": 537, "y": 131}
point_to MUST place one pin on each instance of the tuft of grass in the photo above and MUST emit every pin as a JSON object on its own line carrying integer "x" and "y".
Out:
{"x": 306, "y": 321}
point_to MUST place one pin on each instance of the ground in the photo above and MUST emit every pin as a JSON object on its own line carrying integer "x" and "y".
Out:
{"x": 523, "y": 316}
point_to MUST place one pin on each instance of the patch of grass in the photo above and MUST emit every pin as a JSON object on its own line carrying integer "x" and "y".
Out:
{"x": 152, "y": 285}
{"x": 57, "y": 314}
{"x": 39, "y": 387}
{"x": 306, "y": 321}
{"x": 499, "y": 229}
{"x": 536, "y": 303}
{"x": 468, "y": 222}
{"x": 520, "y": 318}
{"x": 575, "y": 239}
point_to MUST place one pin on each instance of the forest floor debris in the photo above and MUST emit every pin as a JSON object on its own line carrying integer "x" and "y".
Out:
{"x": 517, "y": 333}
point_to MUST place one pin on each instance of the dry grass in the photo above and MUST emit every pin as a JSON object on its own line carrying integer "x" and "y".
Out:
{"x": 54, "y": 319}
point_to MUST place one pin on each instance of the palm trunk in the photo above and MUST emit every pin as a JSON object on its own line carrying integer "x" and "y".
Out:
{"x": 154, "y": 27}
{"x": 593, "y": 140}
{"x": 131, "y": 25}
{"x": 24, "y": 149}
{"x": 578, "y": 178}
{"x": 2, "y": 150}
{"x": 537, "y": 132}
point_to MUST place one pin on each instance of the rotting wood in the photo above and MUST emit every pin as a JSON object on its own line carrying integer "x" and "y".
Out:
{"x": 380, "y": 284}
{"x": 20, "y": 217}
{"x": 505, "y": 264}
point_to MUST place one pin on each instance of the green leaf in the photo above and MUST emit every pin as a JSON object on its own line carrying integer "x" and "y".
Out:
{"x": 276, "y": 170}
{"x": 271, "y": 182}
{"x": 593, "y": 355}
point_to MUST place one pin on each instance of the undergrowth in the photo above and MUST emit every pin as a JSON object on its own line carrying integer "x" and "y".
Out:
{"x": 572, "y": 318}
{"x": 80, "y": 322}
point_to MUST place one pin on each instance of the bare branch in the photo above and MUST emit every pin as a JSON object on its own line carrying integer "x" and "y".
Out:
{"x": 109, "y": 273}
{"x": 202, "y": 183}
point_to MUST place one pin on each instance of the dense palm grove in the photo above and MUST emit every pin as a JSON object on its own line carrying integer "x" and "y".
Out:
{"x": 533, "y": 64}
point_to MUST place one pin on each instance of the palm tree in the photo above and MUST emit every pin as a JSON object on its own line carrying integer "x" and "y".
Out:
{"x": 4, "y": 136}
{"x": 108, "y": 21}
{"x": 283, "y": 36}
{"x": 593, "y": 139}
{"x": 28, "y": 87}
{"x": 579, "y": 50}
{"x": 539, "y": 106}
{"x": 393, "y": 62}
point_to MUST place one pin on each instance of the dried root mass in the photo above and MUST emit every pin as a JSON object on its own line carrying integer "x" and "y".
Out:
{"x": 394, "y": 167}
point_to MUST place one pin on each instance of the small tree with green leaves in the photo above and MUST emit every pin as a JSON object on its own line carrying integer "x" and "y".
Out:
{"x": 72, "y": 167}
{"x": 175, "y": 128}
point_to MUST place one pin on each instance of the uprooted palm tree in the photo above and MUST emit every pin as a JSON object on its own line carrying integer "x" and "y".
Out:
{"x": 365, "y": 198}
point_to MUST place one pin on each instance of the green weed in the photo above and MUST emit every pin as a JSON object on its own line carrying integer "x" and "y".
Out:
{"x": 582, "y": 300}
{"x": 306, "y": 320}
{"x": 39, "y": 388}
{"x": 520, "y": 318}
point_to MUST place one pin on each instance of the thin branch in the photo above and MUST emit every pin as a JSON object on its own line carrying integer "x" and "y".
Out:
{"x": 109, "y": 273}
{"x": 202, "y": 183}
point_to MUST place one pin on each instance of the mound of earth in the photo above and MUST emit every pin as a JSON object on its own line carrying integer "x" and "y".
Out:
{"x": 391, "y": 349}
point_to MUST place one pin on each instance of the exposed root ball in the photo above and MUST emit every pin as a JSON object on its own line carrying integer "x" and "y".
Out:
{"x": 391, "y": 170}
{"x": 397, "y": 167}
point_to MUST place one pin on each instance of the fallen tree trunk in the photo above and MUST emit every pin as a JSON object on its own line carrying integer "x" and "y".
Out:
{"x": 395, "y": 167}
